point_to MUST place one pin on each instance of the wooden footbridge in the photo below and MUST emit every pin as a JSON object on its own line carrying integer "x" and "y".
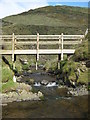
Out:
{"x": 38, "y": 40}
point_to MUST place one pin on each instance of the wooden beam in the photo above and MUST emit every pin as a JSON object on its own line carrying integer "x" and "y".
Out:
{"x": 41, "y": 52}
{"x": 59, "y": 42}
{"x": 37, "y": 46}
{"x": 37, "y": 55}
{"x": 59, "y": 58}
{"x": 62, "y": 46}
{"x": 25, "y": 37}
{"x": 36, "y": 63}
{"x": 15, "y": 43}
{"x": 13, "y": 48}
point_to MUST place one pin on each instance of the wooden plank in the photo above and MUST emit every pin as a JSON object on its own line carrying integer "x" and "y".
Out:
{"x": 13, "y": 47}
{"x": 42, "y": 37}
{"x": 62, "y": 46}
{"x": 15, "y": 43}
{"x": 6, "y": 52}
{"x": 26, "y": 37}
{"x": 73, "y": 36}
{"x": 34, "y": 52}
{"x": 37, "y": 46}
{"x": 59, "y": 58}
{"x": 59, "y": 42}
{"x": 42, "y": 42}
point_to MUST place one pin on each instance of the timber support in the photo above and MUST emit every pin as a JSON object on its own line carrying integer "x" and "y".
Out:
{"x": 61, "y": 46}
{"x": 37, "y": 55}
{"x": 13, "y": 50}
{"x": 59, "y": 58}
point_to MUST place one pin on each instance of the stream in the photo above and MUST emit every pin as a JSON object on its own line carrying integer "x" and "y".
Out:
{"x": 53, "y": 106}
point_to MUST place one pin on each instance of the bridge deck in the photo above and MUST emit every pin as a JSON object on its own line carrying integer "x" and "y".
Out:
{"x": 40, "y": 51}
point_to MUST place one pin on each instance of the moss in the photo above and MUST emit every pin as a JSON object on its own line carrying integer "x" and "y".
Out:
{"x": 9, "y": 86}
{"x": 7, "y": 74}
{"x": 81, "y": 52}
{"x": 42, "y": 98}
{"x": 25, "y": 67}
{"x": 68, "y": 69}
{"x": 72, "y": 76}
{"x": 83, "y": 78}
{"x": 50, "y": 65}
{"x": 69, "y": 72}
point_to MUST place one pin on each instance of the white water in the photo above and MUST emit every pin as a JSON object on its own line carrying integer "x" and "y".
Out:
{"x": 51, "y": 84}
{"x": 37, "y": 84}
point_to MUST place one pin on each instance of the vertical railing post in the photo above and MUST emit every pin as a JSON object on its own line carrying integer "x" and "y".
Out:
{"x": 62, "y": 46}
{"x": 59, "y": 57}
{"x": 37, "y": 55}
{"x": 59, "y": 42}
{"x": 13, "y": 47}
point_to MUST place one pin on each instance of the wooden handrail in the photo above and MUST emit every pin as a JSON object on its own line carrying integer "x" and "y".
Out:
{"x": 60, "y": 40}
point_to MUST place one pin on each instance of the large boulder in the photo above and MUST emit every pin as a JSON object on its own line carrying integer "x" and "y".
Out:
{"x": 44, "y": 82}
{"x": 23, "y": 86}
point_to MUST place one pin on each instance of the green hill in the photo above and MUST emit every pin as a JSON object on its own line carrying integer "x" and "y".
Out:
{"x": 48, "y": 20}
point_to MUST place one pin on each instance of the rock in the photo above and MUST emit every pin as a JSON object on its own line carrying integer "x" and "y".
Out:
{"x": 88, "y": 63}
{"x": 41, "y": 66}
{"x": 73, "y": 84}
{"x": 40, "y": 94}
{"x": 83, "y": 63}
{"x": 24, "y": 62}
{"x": 79, "y": 91}
{"x": 62, "y": 91}
{"x": 29, "y": 71}
{"x": 31, "y": 81}
{"x": 78, "y": 71}
{"x": 44, "y": 82}
{"x": 19, "y": 78}
{"x": 82, "y": 70}
{"x": 23, "y": 86}
{"x": 61, "y": 82}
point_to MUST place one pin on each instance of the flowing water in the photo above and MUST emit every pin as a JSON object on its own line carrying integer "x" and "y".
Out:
{"x": 54, "y": 105}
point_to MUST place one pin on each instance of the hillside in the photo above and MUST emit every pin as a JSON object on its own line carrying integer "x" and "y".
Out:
{"x": 48, "y": 20}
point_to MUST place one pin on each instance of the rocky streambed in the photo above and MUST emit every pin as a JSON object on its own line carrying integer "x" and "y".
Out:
{"x": 23, "y": 92}
{"x": 41, "y": 81}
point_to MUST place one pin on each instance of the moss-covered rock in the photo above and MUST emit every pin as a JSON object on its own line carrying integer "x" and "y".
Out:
{"x": 7, "y": 74}
{"x": 81, "y": 53}
{"x": 73, "y": 72}
{"x": 50, "y": 65}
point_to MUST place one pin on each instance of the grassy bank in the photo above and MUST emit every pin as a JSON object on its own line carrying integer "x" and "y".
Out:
{"x": 75, "y": 69}
{"x": 7, "y": 79}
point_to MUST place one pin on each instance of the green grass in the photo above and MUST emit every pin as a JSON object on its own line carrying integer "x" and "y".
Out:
{"x": 55, "y": 16}
{"x": 50, "y": 65}
{"x": 48, "y": 20}
{"x": 7, "y": 79}
{"x": 7, "y": 74}
{"x": 83, "y": 78}
{"x": 9, "y": 86}
{"x": 81, "y": 53}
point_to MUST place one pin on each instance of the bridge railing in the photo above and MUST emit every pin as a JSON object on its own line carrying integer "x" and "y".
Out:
{"x": 60, "y": 40}
{"x": 43, "y": 39}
